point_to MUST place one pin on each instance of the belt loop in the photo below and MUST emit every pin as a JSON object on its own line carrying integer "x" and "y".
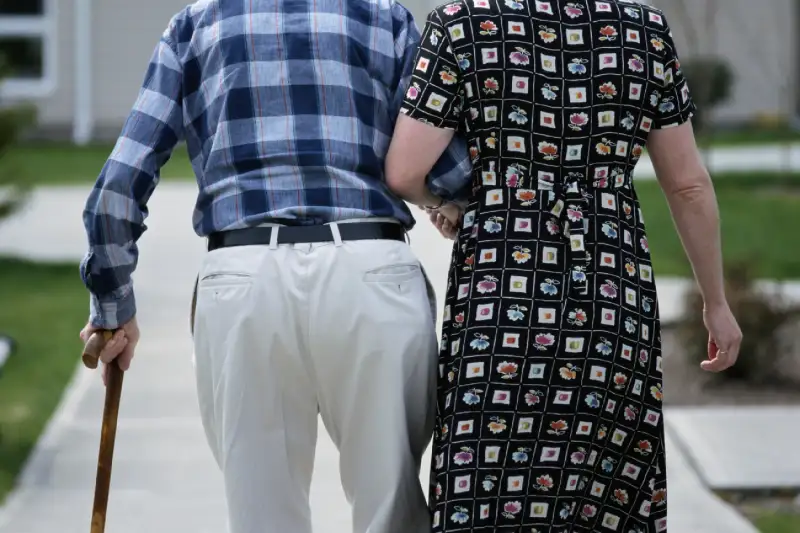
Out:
{"x": 273, "y": 238}
{"x": 337, "y": 237}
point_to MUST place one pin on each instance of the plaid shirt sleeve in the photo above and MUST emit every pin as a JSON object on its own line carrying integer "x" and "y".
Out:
{"x": 451, "y": 176}
{"x": 117, "y": 205}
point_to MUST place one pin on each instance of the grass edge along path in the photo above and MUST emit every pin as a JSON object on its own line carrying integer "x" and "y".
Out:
{"x": 42, "y": 307}
{"x": 777, "y": 522}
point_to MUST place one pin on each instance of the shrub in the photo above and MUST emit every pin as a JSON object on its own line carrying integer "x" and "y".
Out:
{"x": 711, "y": 81}
{"x": 766, "y": 321}
{"x": 13, "y": 119}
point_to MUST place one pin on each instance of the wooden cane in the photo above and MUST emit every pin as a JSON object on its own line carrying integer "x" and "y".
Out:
{"x": 108, "y": 432}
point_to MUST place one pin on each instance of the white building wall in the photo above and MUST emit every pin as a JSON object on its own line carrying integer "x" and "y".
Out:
{"x": 758, "y": 38}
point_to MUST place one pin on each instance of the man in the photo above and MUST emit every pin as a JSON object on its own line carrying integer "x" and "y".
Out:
{"x": 309, "y": 300}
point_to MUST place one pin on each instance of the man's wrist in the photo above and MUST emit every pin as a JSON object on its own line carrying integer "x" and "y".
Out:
{"x": 111, "y": 313}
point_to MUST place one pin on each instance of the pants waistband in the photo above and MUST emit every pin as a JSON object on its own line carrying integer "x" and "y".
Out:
{"x": 361, "y": 220}
{"x": 336, "y": 232}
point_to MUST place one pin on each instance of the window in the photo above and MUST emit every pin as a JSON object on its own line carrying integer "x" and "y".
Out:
{"x": 27, "y": 47}
{"x": 22, "y": 7}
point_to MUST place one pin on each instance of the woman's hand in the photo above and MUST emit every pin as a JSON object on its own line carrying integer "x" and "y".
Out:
{"x": 446, "y": 219}
{"x": 724, "y": 338}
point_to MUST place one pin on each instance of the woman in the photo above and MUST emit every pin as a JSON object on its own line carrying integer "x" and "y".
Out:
{"x": 549, "y": 401}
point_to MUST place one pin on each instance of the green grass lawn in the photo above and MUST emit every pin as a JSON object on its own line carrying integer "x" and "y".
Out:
{"x": 759, "y": 212}
{"x": 43, "y": 309}
{"x": 769, "y": 522}
{"x": 749, "y": 136}
{"x": 64, "y": 164}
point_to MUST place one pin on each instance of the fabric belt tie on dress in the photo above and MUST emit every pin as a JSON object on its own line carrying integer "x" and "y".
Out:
{"x": 573, "y": 197}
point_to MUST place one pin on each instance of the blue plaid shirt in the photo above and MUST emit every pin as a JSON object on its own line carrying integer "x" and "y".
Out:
{"x": 287, "y": 109}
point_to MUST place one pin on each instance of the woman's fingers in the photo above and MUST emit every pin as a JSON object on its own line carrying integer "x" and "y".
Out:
{"x": 448, "y": 229}
{"x": 721, "y": 355}
{"x": 724, "y": 338}
{"x": 712, "y": 348}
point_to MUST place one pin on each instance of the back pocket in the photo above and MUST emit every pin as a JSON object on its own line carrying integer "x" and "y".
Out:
{"x": 396, "y": 273}
{"x": 224, "y": 279}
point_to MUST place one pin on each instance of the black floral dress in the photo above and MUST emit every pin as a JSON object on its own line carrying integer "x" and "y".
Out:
{"x": 550, "y": 392}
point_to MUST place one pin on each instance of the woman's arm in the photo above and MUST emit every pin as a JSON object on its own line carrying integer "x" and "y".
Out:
{"x": 690, "y": 194}
{"x": 414, "y": 149}
{"x": 429, "y": 117}
{"x": 691, "y": 197}
{"x": 693, "y": 203}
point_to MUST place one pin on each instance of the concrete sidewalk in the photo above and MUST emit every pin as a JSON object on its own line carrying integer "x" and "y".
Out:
{"x": 692, "y": 507}
{"x": 164, "y": 476}
{"x": 741, "y": 448}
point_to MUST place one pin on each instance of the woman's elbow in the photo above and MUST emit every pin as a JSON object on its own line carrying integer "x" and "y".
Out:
{"x": 691, "y": 187}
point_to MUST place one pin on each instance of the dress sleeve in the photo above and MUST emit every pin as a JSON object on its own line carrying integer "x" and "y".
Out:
{"x": 675, "y": 105}
{"x": 433, "y": 96}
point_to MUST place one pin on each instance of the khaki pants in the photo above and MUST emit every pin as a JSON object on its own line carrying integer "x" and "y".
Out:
{"x": 285, "y": 333}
